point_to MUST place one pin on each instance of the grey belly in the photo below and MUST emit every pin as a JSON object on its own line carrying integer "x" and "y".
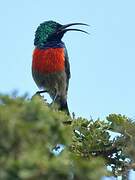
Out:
{"x": 54, "y": 83}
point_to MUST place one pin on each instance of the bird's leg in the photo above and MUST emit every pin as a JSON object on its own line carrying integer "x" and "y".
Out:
{"x": 41, "y": 92}
{"x": 56, "y": 97}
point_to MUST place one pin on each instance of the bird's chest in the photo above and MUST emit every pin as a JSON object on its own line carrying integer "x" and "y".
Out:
{"x": 48, "y": 60}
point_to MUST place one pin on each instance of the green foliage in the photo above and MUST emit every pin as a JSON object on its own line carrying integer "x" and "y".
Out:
{"x": 30, "y": 130}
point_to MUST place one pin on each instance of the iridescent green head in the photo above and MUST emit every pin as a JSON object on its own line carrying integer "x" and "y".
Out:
{"x": 52, "y": 31}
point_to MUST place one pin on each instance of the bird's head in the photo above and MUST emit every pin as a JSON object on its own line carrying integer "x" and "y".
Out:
{"x": 52, "y": 31}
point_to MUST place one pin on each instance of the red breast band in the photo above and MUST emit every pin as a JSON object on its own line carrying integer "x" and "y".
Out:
{"x": 48, "y": 60}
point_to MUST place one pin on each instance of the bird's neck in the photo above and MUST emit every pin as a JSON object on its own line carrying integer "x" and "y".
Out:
{"x": 52, "y": 44}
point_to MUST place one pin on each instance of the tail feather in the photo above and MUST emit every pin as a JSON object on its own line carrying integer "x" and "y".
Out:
{"x": 62, "y": 104}
{"x": 64, "y": 107}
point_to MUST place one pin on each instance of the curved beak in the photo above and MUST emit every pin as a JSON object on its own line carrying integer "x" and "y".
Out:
{"x": 64, "y": 29}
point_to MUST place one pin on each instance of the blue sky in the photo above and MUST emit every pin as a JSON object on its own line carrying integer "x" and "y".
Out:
{"x": 102, "y": 64}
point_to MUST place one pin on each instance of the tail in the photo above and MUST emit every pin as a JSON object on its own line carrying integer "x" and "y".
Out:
{"x": 64, "y": 107}
{"x": 62, "y": 104}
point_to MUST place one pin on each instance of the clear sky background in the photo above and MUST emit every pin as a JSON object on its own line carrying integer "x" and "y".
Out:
{"x": 102, "y": 64}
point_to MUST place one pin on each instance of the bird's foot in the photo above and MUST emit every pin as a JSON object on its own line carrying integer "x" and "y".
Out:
{"x": 40, "y": 92}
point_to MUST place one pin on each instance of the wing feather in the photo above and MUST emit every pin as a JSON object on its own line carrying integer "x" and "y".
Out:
{"x": 67, "y": 67}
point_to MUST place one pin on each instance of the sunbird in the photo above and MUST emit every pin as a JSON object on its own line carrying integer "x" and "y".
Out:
{"x": 50, "y": 62}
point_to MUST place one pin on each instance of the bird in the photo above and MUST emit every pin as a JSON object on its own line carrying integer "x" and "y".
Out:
{"x": 50, "y": 62}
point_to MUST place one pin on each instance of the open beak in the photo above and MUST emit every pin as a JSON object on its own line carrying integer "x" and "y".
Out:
{"x": 64, "y": 29}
